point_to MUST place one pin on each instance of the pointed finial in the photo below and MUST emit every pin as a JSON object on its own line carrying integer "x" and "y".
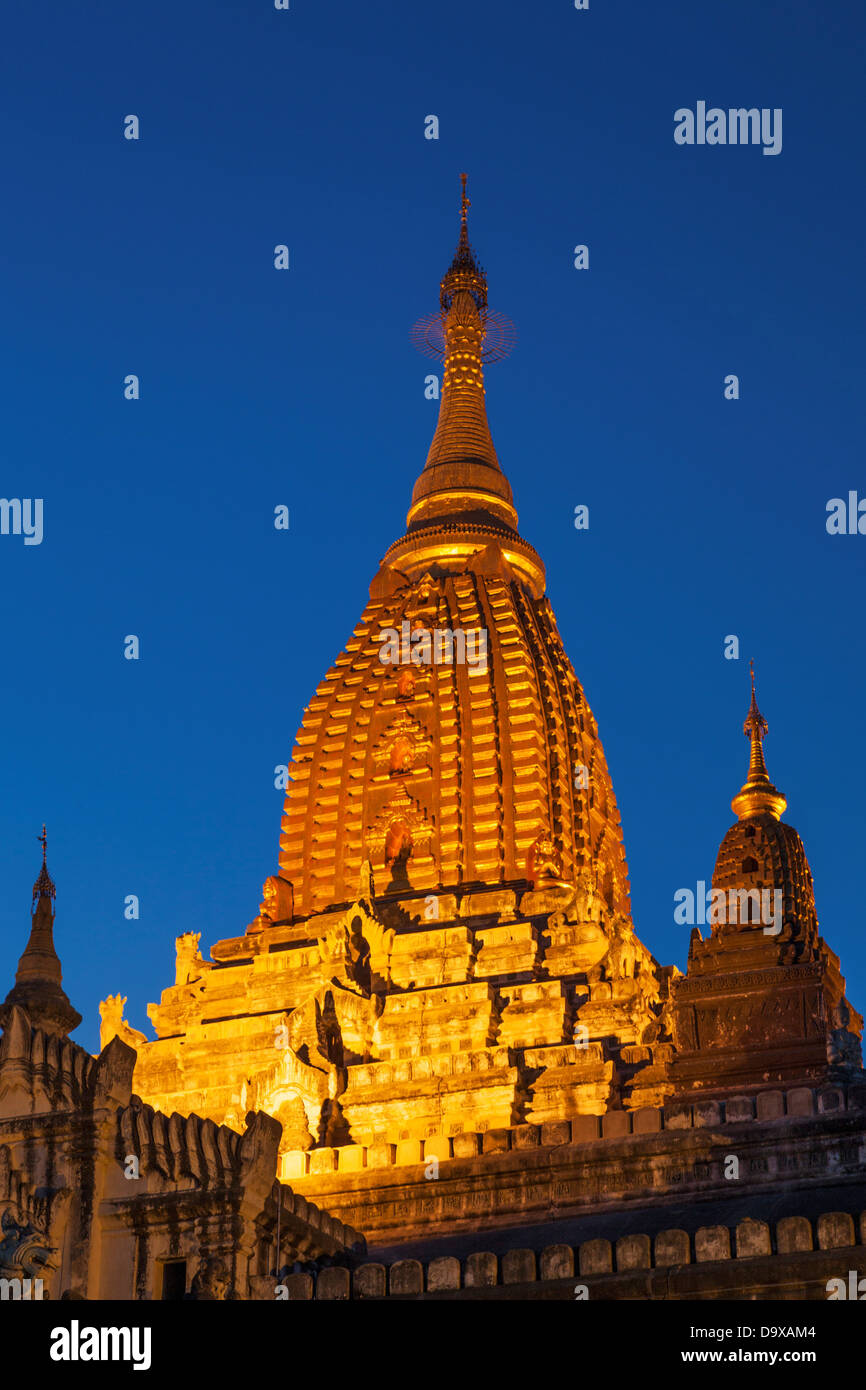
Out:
{"x": 756, "y": 726}
{"x": 464, "y": 272}
{"x": 757, "y": 795}
{"x": 44, "y": 885}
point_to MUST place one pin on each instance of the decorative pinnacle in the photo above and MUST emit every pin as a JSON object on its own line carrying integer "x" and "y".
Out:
{"x": 462, "y": 494}
{"x": 756, "y": 725}
{"x": 757, "y": 795}
{"x": 464, "y": 280}
{"x": 44, "y": 885}
{"x": 465, "y": 205}
{"x": 464, "y": 273}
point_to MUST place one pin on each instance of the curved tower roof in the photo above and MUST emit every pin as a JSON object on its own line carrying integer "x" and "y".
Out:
{"x": 443, "y": 773}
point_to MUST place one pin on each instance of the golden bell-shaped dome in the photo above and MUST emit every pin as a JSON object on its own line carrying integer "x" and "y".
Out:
{"x": 461, "y": 759}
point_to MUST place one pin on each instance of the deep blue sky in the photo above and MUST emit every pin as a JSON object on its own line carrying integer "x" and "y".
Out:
{"x": 258, "y": 387}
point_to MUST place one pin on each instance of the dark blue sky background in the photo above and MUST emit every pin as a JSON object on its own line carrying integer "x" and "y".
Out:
{"x": 258, "y": 387}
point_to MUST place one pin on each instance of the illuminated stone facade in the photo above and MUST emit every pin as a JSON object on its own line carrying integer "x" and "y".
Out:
{"x": 448, "y": 945}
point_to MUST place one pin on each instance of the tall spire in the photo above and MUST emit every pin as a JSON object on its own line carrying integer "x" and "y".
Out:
{"x": 462, "y": 475}
{"x": 462, "y": 500}
{"x": 757, "y": 795}
{"x": 38, "y": 981}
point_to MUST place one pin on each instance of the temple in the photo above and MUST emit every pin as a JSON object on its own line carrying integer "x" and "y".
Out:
{"x": 439, "y": 1060}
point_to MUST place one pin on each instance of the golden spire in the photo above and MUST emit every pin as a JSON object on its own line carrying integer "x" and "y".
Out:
{"x": 462, "y": 504}
{"x": 757, "y": 796}
{"x": 462, "y": 477}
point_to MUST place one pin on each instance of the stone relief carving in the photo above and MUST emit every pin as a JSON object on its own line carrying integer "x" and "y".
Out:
{"x": 24, "y": 1249}
{"x": 276, "y": 905}
{"x": 211, "y": 1282}
{"x": 544, "y": 861}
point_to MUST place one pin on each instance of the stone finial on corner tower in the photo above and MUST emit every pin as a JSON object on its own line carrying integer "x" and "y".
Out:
{"x": 38, "y": 987}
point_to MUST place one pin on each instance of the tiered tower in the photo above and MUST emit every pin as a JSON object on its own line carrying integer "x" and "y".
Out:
{"x": 466, "y": 764}
{"x": 763, "y": 1002}
{"x": 38, "y": 984}
{"x": 448, "y": 943}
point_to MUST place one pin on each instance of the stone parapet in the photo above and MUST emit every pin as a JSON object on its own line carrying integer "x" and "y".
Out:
{"x": 794, "y": 1257}
{"x": 528, "y": 1176}
{"x": 798, "y": 1103}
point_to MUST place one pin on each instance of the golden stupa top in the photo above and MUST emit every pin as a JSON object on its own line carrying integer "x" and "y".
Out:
{"x": 462, "y": 501}
{"x": 757, "y": 796}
